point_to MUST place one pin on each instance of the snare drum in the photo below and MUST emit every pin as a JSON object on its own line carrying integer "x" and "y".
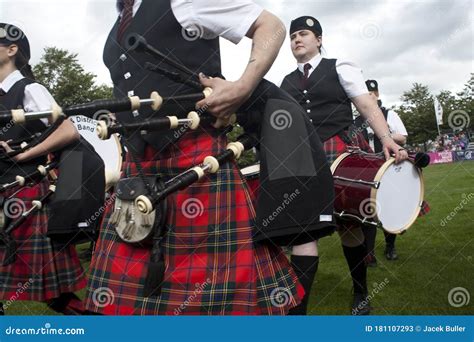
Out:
{"x": 252, "y": 176}
{"x": 371, "y": 190}
{"x": 109, "y": 150}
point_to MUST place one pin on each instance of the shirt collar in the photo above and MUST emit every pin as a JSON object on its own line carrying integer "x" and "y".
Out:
{"x": 10, "y": 81}
{"x": 313, "y": 61}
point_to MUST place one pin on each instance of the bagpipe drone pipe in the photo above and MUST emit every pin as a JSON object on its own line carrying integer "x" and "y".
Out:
{"x": 74, "y": 207}
{"x": 292, "y": 156}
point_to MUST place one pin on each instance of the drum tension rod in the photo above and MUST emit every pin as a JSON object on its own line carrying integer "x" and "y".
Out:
{"x": 364, "y": 220}
{"x": 376, "y": 185}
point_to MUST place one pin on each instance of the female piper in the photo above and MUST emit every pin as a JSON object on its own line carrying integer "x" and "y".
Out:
{"x": 326, "y": 88}
{"x": 210, "y": 266}
{"x": 39, "y": 271}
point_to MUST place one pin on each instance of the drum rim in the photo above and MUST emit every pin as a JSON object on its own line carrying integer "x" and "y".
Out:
{"x": 118, "y": 145}
{"x": 373, "y": 195}
{"x": 120, "y": 159}
{"x": 373, "y": 191}
{"x": 338, "y": 160}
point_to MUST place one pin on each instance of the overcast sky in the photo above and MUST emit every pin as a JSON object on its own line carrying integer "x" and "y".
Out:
{"x": 396, "y": 42}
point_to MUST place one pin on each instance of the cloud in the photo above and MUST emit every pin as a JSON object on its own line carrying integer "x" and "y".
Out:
{"x": 79, "y": 26}
{"x": 396, "y": 42}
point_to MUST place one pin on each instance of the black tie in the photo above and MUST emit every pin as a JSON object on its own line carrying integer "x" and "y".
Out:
{"x": 307, "y": 67}
{"x": 2, "y": 92}
{"x": 126, "y": 20}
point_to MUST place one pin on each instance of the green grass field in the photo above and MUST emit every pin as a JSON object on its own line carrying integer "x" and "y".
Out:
{"x": 433, "y": 259}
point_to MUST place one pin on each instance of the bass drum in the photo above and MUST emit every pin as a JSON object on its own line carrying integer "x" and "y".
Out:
{"x": 109, "y": 150}
{"x": 371, "y": 190}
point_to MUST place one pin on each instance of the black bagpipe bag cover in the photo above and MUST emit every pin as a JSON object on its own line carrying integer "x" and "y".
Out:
{"x": 296, "y": 194}
{"x": 75, "y": 209}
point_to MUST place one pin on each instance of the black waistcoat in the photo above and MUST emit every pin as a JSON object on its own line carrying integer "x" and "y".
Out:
{"x": 14, "y": 100}
{"x": 362, "y": 124}
{"x": 323, "y": 98}
{"x": 156, "y": 22}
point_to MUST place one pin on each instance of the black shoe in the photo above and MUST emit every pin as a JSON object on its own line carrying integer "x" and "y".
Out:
{"x": 370, "y": 260}
{"x": 360, "y": 305}
{"x": 391, "y": 253}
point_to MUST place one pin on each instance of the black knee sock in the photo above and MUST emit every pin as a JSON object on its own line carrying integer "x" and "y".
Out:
{"x": 305, "y": 268}
{"x": 355, "y": 261}
{"x": 370, "y": 234}
{"x": 390, "y": 239}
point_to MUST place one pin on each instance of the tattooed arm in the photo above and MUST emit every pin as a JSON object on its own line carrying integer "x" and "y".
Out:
{"x": 268, "y": 34}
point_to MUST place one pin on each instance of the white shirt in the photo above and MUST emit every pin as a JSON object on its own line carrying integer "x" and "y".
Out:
{"x": 37, "y": 97}
{"x": 229, "y": 19}
{"x": 350, "y": 75}
{"x": 395, "y": 125}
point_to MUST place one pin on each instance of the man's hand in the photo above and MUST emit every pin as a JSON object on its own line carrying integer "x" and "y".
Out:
{"x": 226, "y": 96}
{"x": 390, "y": 147}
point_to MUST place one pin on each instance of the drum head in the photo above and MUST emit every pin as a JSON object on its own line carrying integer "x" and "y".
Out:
{"x": 399, "y": 196}
{"x": 109, "y": 150}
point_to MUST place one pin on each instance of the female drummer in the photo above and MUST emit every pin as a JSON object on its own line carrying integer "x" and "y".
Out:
{"x": 326, "y": 88}
{"x": 39, "y": 272}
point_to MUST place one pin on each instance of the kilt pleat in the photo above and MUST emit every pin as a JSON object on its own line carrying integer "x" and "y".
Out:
{"x": 212, "y": 265}
{"x": 40, "y": 272}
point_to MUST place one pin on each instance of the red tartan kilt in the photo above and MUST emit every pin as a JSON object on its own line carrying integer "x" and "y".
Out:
{"x": 335, "y": 146}
{"x": 39, "y": 272}
{"x": 212, "y": 264}
{"x": 425, "y": 209}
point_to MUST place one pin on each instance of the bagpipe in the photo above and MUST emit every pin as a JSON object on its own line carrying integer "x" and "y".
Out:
{"x": 140, "y": 208}
{"x": 77, "y": 174}
{"x": 303, "y": 163}
{"x": 5, "y": 232}
{"x": 77, "y": 196}
{"x": 269, "y": 117}
{"x": 260, "y": 117}
{"x": 211, "y": 164}
{"x": 90, "y": 109}
{"x": 194, "y": 120}
{"x": 21, "y": 145}
{"x": 36, "y": 176}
